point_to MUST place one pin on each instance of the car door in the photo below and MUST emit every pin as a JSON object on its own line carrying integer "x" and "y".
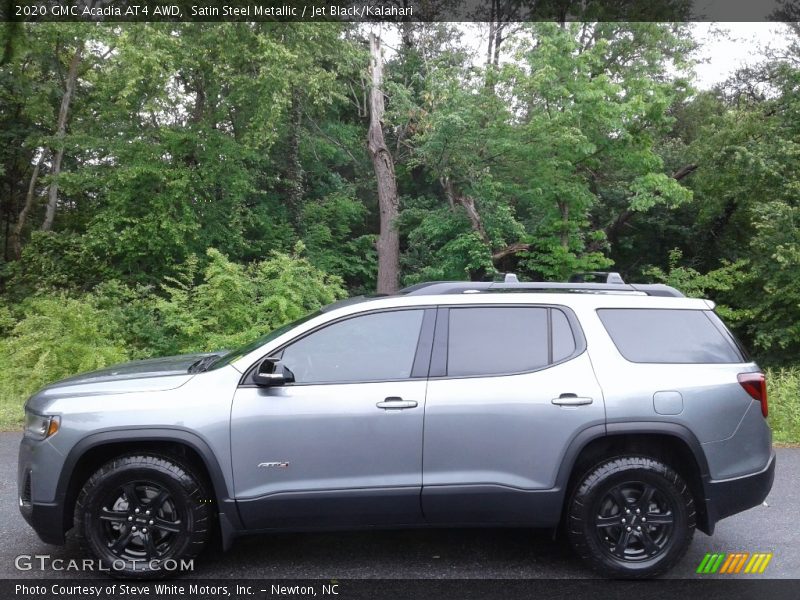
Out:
{"x": 342, "y": 445}
{"x": 510, "y": 386}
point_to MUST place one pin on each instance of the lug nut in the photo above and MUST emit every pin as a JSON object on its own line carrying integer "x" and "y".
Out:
{"x": 628, "y": 528}
{"x": 628, "y": 510}
{"x": 150, "y": 522}
{"x": 147, "y": 512}
{"x": 638, "y": 511}
{"x": 644, "y": 519}
{"x": 144, "y": 529}
{"x": 134, "y": 528}
{"x": 623, "y": 520}
{"x": 638, "y": 529}
{"x": 136, "y": 510}
{"x": 130, "y": 518}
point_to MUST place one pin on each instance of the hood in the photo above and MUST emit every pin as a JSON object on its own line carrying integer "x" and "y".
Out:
{"x": 155, "y": 374}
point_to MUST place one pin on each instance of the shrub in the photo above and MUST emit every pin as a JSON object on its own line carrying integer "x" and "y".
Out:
{"x": 235, "y": 304}
{"x": 58, "y": 336}
{"x": 784, "y": 404}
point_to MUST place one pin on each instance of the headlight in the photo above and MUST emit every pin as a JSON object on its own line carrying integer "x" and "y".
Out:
{"x": 39, "y": 427}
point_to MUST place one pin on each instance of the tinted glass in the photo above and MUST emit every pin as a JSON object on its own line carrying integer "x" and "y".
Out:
{"x": 257, "y": 343}
{"x": 563, "y": 339}
{"x": 668, "y": 336}
{"x": 492, "y": 341}
{"x": 374, "y": 347}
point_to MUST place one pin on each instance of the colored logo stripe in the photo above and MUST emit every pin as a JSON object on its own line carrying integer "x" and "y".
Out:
{"x": 723, "y": 563}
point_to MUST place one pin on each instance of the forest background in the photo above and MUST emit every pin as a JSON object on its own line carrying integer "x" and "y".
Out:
{"x": 169, "y": 188}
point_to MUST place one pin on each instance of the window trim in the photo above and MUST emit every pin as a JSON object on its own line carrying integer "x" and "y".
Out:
{"x": 420, "y": 364}
{"x": 438, "y": 370}
{"x": 726, "y": 336}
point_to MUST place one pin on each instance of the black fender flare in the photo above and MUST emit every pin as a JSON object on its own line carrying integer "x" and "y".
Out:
{"x": 228, "y": 513}
{"x": 706, "y": 521}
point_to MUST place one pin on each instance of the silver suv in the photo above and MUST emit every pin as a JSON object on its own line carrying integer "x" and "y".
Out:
{"x": 628, "y": 415}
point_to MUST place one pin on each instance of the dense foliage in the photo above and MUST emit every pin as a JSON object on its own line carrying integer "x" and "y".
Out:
{"x": 208, "y": 182}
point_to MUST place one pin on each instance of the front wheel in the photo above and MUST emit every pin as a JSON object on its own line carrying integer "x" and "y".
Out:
{"x": 143, "y": 516}
{"x": 631, "y": 517}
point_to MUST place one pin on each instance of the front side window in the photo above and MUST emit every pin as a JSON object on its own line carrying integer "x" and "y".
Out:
{"x": 373, "y": 347}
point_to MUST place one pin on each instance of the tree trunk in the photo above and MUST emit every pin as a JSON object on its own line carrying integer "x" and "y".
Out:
{"x": 294, "y": 168}
{"x": 383, "y": 163}
{"x": 61, "y": 130}
{"x": 30, "y": 197}
{"x": 468, "y": 203}
{"x": 563, "y": 209}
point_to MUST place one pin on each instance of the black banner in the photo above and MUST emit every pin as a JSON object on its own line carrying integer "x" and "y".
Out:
{"x": 398, "y": 10}
{"x": 400, "y": 589}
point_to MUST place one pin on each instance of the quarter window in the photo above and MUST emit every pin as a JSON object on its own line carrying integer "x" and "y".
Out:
{"x": 669, "y": 336}
{"x": 563, "y": 338}
{"x": 373, "y": 347}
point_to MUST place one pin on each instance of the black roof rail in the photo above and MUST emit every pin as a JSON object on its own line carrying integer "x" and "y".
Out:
{"x": 476, "y": 287}
{"x": 597, "y": 277}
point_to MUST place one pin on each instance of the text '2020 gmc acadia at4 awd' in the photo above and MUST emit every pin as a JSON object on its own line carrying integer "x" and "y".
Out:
{"x": 627, "y": 414}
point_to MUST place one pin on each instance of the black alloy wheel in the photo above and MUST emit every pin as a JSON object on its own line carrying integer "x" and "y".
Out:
{"x": 634, "y": 521}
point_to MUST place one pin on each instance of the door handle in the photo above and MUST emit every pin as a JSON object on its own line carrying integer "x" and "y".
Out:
{"x": 571, "y": 400}
{"x": 396, "y": 403}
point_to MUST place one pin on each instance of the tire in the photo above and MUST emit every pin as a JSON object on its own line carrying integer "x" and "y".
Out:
{"x": 647, "y": 543}
{"x": 164, "y": 527}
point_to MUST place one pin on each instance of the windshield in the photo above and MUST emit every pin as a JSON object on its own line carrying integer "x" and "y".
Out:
{"x": 228, "y": 358}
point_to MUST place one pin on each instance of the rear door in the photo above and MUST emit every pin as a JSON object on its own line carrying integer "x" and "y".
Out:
{"x": 510, "y": 386}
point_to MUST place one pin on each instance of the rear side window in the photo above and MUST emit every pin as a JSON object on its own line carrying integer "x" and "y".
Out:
{"x": 669, "y": 336}
{"x": 504, "y": 340}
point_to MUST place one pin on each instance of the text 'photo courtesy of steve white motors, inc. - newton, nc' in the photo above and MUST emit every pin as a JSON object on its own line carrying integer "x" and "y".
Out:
{"x": 286, "y": 11}
{"x": 161, "y": 590}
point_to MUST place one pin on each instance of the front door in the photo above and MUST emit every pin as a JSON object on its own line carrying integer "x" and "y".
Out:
{"x": 342, "y": 446}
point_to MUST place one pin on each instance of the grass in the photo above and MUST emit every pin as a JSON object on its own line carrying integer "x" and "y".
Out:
{"x": 783, "y": 391}
{"x": 10, "y": 414}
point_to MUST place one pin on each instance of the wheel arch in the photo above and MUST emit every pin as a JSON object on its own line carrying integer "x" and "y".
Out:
{"x": 94, "y": 450}
{"x": 671, "y": 443}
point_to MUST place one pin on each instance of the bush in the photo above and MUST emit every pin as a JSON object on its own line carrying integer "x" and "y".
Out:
{"x": 784, "y": 404}
{"x": 53, "y": 336}
{"x": 58, "y": 336}
{"x": 235, "y": 304}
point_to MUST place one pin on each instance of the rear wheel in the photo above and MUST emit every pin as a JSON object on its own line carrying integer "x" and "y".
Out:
{"x": 143, "y": 516}
{"x": 631, "y": 517}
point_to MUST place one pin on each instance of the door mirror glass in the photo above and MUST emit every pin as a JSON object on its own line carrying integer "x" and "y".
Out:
{"x": 272, "y": 372}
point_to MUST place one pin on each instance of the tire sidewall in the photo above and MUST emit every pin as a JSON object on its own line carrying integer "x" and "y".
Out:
{"x": 115, "y": 475}
{"x": 584, "y": 506}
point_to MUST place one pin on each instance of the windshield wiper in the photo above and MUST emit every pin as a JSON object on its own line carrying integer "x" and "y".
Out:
{"x": 202, "y": 364}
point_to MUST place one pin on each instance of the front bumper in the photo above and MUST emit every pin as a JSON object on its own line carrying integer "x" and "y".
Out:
{"x": 730, "y": 496}
{"x": 47, "y": 521}
{"x": 46, "y": 518}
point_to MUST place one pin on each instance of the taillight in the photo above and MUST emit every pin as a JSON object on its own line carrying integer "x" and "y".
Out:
{"x": 755, "y": 384}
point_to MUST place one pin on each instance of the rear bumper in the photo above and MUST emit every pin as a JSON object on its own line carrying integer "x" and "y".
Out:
{"x": 730, "y": 496}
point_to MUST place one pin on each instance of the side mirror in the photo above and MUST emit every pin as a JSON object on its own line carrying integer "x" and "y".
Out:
{"x": 272, "y": 372}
